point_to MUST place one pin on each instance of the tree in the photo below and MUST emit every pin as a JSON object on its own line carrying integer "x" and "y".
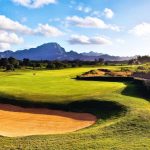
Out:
{"x": 51, "y": 65}
{"x": 101, "y": 60}
{"x": 13, "y": 62}
{"x": 4, "y": 62}
{"x": 39, "y": 65}
{"x": 10, "y": 67}
{"x": 133, "y": 62}
{"x": 26, "y": 62}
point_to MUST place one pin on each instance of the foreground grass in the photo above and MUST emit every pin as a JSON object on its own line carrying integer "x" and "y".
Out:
{"x": 126, "y": 131}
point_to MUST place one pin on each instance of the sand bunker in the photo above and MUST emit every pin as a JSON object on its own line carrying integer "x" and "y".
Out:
{"x": 17, "y": 121}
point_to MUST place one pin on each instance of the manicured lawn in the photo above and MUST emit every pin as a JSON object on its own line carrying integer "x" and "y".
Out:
{"x": 130, "y": 130}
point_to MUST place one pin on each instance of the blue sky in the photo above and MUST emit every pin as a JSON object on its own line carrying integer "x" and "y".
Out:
{"x": 116, "y": 27}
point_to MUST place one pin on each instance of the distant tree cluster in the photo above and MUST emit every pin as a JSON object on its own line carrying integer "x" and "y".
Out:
{"x": 139, "y": 60}
{"x": 10, "y": 64}
{"x": 116, "y": 63}
{"x": 143, "y": 59}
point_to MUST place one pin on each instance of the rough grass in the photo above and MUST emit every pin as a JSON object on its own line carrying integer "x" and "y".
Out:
{"x": 126, "y": 131}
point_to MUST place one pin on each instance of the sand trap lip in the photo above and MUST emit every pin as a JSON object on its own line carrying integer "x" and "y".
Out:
{"x": 17, "y": 121}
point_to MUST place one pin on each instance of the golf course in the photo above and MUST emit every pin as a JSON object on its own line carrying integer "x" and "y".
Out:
{"x": 84, "y": 114}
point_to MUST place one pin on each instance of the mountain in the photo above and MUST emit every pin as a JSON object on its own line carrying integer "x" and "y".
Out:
{"x": 53, "y": 51}
{"x": 47, "y": 51}
{"x": 91, "y": 53}
{"x": 106, "y": 57}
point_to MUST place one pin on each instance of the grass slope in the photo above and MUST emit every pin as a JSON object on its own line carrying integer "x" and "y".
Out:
{"x": 129, "y": 131}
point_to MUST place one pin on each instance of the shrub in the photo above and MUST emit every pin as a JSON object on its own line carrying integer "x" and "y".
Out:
{"x": 10, "y": 67}
{"x": 141, "y": 68}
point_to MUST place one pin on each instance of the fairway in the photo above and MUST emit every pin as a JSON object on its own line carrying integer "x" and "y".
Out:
{"x": 74, "y": 75}
{"x": 123, "y": 115}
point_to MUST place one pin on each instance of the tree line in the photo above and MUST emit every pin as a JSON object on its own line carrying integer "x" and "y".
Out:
{"x": 10, "y": 64}
{"x": 139, "y": 60}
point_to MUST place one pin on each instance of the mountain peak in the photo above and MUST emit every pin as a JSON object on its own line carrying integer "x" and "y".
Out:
{"x": 53, "y": 51}
{"x": 53, "y": 44}
{"x": 91, "y": 53}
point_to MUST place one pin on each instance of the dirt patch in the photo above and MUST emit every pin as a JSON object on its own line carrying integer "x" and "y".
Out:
{"x": 17, "y": 121}
{"x": 106, "y": 72}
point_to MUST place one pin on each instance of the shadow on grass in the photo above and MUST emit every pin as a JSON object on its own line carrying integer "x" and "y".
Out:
{"x": 135, "y": 90}
{"x": 101, "y": 109}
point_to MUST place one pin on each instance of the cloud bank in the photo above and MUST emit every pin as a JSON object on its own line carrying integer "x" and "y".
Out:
{"x": 10, "y": 32}
{"x": 108, "y": 13}
{"x": 34, "y": 3}
{"x": 85, "y": 40}
{"x": 141, "y": 30}
{"x": 90, "y": 22}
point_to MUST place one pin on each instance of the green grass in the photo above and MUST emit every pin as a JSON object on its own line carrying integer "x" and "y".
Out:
{"x": 125, "y": 131}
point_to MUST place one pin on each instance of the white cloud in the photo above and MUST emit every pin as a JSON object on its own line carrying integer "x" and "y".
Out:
{"x": 79, "y": 39}
{"x": 13, "y": 26}
{"x": 108, "y": 13}
{"x": 10, "y": 29}
{"x": 8, "y": 39}
{"x": 84, "y": 9}
{"x": 80, "y": 8}
{"x": 47, "y": 30}
{"x": 85, "y": 40}
{"x": 91, "y": 22}
{"x": 7, "y": 24}
{"x": 4, "y": 46}
{"x": 100, "y": 40}
{"x": 120, "y": 41}
{"x": 96, "y": 13}
{"x": 34, "y": 3}
{"x": 141, "y": 30}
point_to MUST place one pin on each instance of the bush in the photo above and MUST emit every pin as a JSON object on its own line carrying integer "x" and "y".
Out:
{"x": 10, "y": 67}
{"x": 125, "y": 69}
{"x": 141, "y": 68}
{"x": 51, "y": 66}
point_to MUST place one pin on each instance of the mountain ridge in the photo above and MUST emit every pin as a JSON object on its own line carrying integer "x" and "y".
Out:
{"x": 53, "y": 51}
